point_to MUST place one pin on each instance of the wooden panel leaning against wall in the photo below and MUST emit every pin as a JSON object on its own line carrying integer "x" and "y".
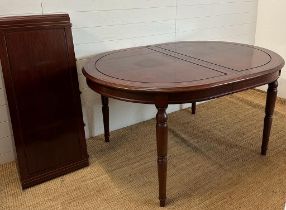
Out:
{"x": 40, "y": 76}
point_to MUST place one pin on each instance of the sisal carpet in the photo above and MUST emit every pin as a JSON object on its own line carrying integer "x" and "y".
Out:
{"x": 214, "y": 163}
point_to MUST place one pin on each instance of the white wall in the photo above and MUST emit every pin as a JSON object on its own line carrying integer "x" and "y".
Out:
{"x": 100, "y": 26}
{"x": 271, "y": 32}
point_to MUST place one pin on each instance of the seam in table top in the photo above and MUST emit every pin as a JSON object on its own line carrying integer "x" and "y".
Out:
{"x": 158, "y": 46}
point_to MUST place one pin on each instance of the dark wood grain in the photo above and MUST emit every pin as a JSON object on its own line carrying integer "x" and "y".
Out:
{"x": 194, "y": 107}
{"x": 269, "y": 110}
{"x": 40, "y": 76}
{"x": 183, "y": 72}
{"x": 162, "y": 146}
{"x": 105, "y": 113}
{"x": 152, "y": 69}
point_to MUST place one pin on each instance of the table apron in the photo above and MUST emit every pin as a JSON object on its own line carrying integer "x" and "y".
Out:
{"x": 149, "y": 97}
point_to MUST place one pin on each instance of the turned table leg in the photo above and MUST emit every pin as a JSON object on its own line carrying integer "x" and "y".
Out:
{"x": 194, "y": 106}
{"x": 269, "y": 109}
{"x": 162, "y": 144}
{"x": 105, "y": 113}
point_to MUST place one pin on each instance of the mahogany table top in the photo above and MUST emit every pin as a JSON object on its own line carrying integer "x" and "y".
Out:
{"x": 181, "y": 66}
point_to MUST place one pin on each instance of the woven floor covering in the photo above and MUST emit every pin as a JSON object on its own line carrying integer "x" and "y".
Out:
{"x": 213, "y": 163}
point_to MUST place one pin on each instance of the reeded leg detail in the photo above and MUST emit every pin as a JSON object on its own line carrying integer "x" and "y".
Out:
{"x": 269, "y": 110}
{"x": 194, "y": 106}
{"x": 105, "y": 113}
{"x": 162, "y": 145}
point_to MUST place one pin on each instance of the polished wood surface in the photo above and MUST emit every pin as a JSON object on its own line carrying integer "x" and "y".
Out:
{"x": 269, "y": 110}
{"x": 162, "y": 147}
{"x": 183, "y": 72}
{"x": 182, "y": 66}
{"x": 40, "y": 76}
{"x": 194, "y": 107}
{"x": 105, "y": 113}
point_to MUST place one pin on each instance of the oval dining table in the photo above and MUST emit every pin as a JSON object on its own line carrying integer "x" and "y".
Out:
{"x": 182, "y": 72}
